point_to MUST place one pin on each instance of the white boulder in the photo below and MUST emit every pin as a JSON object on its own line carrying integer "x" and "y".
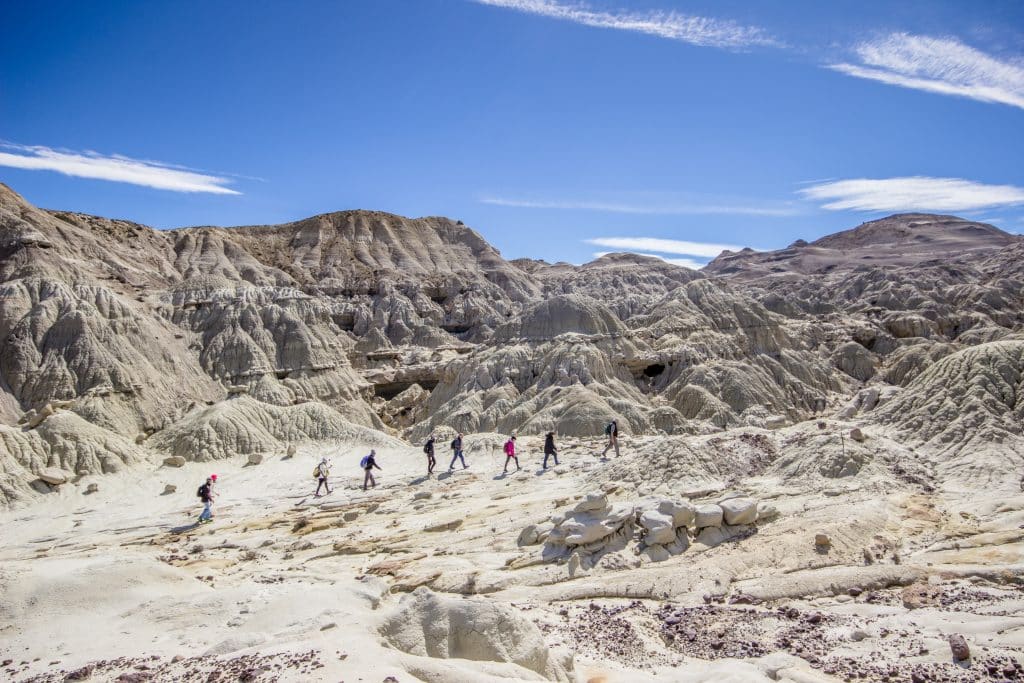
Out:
{"x": 593, "y": 502}
{"x": 708, "y": 516}
{"x": 54, "y": 476}
{"x": 660, "y": 528}
{"x": 739, "y": 511}
{"x": 682, "y": 512}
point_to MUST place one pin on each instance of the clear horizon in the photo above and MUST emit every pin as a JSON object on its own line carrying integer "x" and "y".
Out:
{"x": 556, "y": 130}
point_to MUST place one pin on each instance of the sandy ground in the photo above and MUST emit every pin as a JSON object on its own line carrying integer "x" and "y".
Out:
{"x": 120, "y": 584}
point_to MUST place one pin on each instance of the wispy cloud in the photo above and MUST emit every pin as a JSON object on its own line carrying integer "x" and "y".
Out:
{"x": 939, "y": 65}
{"x": 653, "y": 208}
{"x": 115, "y": 168}
{"x": 684, "y": 262}
{"x": 916, "y": 193}
{"x": 664, "y": 246}
{"x": 703, "y": 31}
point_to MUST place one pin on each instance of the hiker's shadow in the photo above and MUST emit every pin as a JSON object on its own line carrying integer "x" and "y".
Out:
{"x": 420, "y": 480}
{"x": 499, "y": 477}
{"x": 444, "y": 475}
{"x": 183, "y": 528}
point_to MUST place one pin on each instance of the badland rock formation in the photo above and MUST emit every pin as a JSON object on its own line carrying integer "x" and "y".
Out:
{"x": 122, "y": 344}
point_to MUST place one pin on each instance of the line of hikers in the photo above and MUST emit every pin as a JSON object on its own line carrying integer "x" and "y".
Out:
{"x": 322, "y": 471}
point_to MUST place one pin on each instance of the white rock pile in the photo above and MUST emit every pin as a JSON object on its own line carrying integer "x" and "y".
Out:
{"x": 657, "y": 528}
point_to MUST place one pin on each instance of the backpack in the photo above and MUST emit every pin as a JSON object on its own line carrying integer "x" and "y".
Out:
{"x": 316, "y": 472}
{"x": 426, "y": 447}
{"x": 608, "y": 429}
{"x": 455, "y": 443}
{"x": 203, "y": 491}
{"x": 364, "y": 461}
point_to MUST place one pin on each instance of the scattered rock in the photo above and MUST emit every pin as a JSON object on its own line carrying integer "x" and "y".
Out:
{"x": 255, "y": 458}
{"x": 93, "y": 487}
{"x": 822, "y": 540}
{"x": 422, "y": 495}
{"x": 169, "y": 489}
{"x": 958, "y": 645}
{"x": 857, "y": 435}
{"x": 175, "y": 461}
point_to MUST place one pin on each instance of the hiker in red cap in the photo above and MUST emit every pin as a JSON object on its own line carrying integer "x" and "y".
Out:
{"x": 206, "y": 494}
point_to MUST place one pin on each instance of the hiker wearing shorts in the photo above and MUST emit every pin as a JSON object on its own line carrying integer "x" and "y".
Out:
{"x": 368, "y": 463}
{"x": 510, "y": 453}
{"x": 428, "y": 448}
{"x": 612, "y": 430}
{"x": 322, "y": 472}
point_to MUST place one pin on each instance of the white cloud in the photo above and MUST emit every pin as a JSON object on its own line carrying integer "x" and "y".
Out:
{"x": 703, "y": 31}
{"x": 915, "y": 193}
{"x": 684, "y": 262}
{"x": 652, "y": 208}
{"x": 114, "y": 168}
{"x": 939, "y": 65}
{"x": 657, "y": 244}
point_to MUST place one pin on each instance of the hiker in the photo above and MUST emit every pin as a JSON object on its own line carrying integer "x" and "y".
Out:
{"x": 457, "y": 453}
{"x": 510, "y": 453}
{"x": 612, "y": 432}
{"x": 428, "y": 448}
{"x": 206, "y": 494}
{"x": 549, "y": 448}
{"x": 368, "y": 463}
{"x": 322, "y": 471}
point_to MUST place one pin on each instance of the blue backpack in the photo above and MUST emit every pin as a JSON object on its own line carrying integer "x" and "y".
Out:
{"x": 364, "y": 462}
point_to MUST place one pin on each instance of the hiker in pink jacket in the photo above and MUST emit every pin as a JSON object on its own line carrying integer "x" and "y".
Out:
{"x": 510, "y": 453}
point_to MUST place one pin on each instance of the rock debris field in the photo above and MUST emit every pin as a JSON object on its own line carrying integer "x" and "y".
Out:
{"x": 820, "y": 475}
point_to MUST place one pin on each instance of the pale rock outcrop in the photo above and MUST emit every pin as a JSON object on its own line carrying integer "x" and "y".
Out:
{"x": 55, "y": 476}
{"x": 428, "y": 624}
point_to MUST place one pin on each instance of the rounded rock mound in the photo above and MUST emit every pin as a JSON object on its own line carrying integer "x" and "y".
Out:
{"x": 566, "y": 314}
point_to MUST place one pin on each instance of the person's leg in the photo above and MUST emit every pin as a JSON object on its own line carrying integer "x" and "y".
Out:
{"x": 516, "y": 458}
{"x": 545, "y": 465}
{"x": 505, "y": 470}
{"x": 207, "y": 511}
{"x": 455, "y": 457}
{"x": 373, "y": 482}
{"x": 463, "y": 459}
{"x": 366, "y": 478}
{"x": 605, "y": 451}
{"x": 556, "y": 458}
{"x": 319, "y": 484}
{"x": 617, "y": 454}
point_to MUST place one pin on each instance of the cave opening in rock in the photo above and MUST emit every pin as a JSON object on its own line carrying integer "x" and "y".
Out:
{"x": 654, "y": 370}
{"x": 389, "y": 390}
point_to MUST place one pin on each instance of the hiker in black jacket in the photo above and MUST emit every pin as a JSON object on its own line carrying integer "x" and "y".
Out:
{"x": 549, "y": 448}
{"x": 428, "y": 448}
{"x": 457, "y": 453}
{"x": 612, "y": 432}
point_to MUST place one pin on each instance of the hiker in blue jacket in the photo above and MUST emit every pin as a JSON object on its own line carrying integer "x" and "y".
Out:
{"x": 368, "y": 463}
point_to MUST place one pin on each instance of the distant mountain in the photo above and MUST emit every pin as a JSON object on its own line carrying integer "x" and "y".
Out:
{"x": 896, "y": 241}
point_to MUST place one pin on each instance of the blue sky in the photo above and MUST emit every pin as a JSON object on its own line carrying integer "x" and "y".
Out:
{"x": 556, "y": 129}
